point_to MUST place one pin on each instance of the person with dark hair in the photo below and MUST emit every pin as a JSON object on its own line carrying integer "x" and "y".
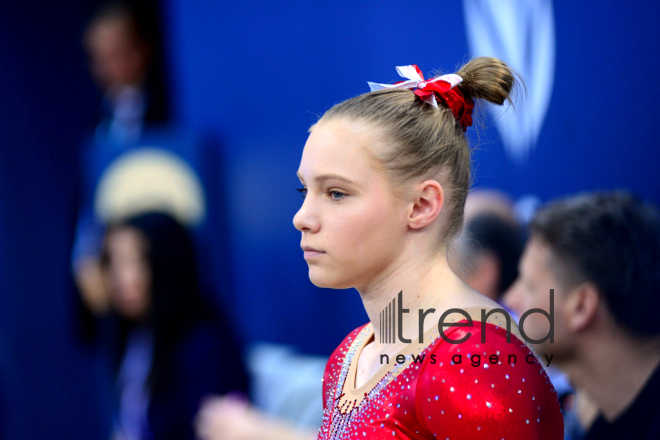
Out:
{"x": 122, "y": 42}
{"x": 173, "y": 347}
{"x": 489, "y": 248}
{"x": 123, "y": 46}
{"x": 593, "y": 263}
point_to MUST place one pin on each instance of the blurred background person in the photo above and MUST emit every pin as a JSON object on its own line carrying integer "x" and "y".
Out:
{"x": 122, "y": 44}
{"x": 600, "y": 252}
{"x": 490, "y": 201}
{"x": 124, "y": 58}
{"x": 486, "y": 253}
{"x": 172, "y": 346}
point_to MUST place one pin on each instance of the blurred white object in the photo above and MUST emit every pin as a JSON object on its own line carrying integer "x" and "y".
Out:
{"x": 150, "y": 179}
{"x": 287, "y": 385}
{"x": 521, "y": 33}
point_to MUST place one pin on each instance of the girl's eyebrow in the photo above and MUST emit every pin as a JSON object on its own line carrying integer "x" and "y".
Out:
{"x": 325, "y": 177}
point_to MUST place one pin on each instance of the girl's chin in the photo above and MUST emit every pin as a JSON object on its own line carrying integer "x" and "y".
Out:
{"x": 327, "y": 282}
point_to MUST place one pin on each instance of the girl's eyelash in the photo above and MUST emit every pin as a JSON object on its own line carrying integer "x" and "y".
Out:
{"x": 303, "y": 192}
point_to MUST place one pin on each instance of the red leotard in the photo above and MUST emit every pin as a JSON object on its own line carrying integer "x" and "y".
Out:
{"x": 435, "y": 398}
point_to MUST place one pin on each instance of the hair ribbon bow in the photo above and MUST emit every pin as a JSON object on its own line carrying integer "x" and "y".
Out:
{"x": 442, "y": 87}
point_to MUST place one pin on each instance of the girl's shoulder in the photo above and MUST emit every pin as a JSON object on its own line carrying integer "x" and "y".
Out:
{"x": 483, "y": 378}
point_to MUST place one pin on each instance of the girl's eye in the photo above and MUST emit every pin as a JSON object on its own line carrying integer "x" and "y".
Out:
{"x": 336, "y": 195}
{"x": 303, "y": 192}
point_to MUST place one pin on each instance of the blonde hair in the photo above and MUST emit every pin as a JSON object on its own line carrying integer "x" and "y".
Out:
{"x": 425, "y": 141}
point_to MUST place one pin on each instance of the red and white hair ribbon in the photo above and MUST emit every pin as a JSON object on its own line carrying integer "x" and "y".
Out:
{"x": 442, "y": 87}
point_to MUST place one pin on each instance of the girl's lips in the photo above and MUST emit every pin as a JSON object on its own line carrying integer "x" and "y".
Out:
{"x": 312, "y": 254}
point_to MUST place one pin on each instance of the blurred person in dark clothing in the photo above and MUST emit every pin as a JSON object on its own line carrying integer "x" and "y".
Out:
{"x": 487, "y": 251}
{"x": 490, "y": 201}
{"x": 490, "y": 248}
{"x": 122, "y": 43}
{"x": 593, "y": 263}
{"x": 173, "y": 348}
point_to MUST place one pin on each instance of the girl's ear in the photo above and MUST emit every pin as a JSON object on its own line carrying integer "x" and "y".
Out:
{"x": 428, "y": 198}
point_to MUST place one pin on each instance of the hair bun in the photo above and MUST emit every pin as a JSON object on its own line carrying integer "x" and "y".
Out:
{"x": 487, "y": 78}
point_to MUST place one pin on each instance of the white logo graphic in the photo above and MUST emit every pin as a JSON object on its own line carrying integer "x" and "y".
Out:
{"x": 521, "y": 33}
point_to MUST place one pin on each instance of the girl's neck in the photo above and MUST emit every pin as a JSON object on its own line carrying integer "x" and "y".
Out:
{"x": 425, "y": 284}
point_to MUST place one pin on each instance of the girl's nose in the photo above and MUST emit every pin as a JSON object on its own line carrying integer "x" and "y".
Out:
{"x": 305, "y": 220}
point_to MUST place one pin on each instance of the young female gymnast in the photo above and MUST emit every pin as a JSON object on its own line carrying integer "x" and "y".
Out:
{"x": 385, "y": 176}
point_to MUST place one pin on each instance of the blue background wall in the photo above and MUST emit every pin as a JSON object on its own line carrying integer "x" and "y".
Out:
{"x": 257, "y": 75}
{"x": 47, "y": 101}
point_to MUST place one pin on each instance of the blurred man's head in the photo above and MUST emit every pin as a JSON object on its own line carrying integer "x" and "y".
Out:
{"x": 601, "y": 255}
{"x": 489, "y": 250}
{"x": 118, "y": 47}
{"x": 490, "y": 201}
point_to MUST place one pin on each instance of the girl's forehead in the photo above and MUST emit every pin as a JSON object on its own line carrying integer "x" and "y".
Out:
{"x": 338, "y": 146}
